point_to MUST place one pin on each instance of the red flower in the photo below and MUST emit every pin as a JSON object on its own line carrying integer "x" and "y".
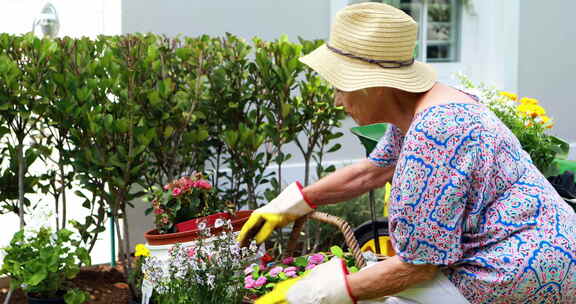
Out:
{"x": 266, "y": 258}
{"x": 203, "y": 184}
{"x": 158, "y": 210}
{"x": 186, "y": 183}
{"x": 176, "y": 191}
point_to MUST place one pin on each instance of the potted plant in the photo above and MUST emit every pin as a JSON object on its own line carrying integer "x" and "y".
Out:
{"x": 204, "y": 272}
{"x": 187, "y": 206}
{"x": 42, "y": 263}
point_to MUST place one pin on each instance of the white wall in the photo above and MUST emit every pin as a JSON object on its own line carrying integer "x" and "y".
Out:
{"x": 264, "y": 18}
{"x": 548, "y": 60}
{"x": 77, "y": 18}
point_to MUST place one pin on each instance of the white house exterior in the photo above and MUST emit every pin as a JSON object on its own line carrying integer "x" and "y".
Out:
{"x": 523, "y": 46}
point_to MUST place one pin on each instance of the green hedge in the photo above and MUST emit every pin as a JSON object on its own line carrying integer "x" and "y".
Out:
{"x": 124, "y": 113}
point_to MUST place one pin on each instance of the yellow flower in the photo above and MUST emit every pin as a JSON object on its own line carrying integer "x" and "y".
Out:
{"x": 529, "y": 101}
{"x": 532, "y": 110}
{"x": 509, "y": 95}
{"x": 141, "y": 250}
{"x": 545, "y": 119}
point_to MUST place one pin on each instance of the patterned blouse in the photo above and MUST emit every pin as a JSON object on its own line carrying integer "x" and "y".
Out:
{"x": 466, "y": 197}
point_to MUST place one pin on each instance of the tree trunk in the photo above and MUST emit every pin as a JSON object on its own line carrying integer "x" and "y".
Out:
{"x": 306, "y": 169}
{"x": 126, "y": 233}
{"x": 279, "y": 177}
{"x": 121, "y": 253}
{"x": 21, "y": 165}
{"x": 251, "y": 196}
{"x": 63, "y": 193}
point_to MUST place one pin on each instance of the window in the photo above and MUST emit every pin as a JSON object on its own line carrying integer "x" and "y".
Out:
{"x": 439, "y": 22}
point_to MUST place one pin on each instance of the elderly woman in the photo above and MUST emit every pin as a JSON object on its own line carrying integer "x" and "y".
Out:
{"x": 471, "y": 218}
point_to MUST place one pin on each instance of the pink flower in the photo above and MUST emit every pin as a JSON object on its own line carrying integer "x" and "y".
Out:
{"x": 191, "y": 252}
{"x": 249, "y": 269}
{"x": 167, "y": 187}
{"x": 316, "y": 258}
{"x": 310, "y": 266}
{"x": 290, "y": 269}
{"x": 249, "y": 282}
{"x": 260, "y": 282}
{"x": 203, "y": 184}
{"x": 176, "y": 191}
{"x": 158, "y": 210}
{"x": 290, "y": 274}
{"x": 275, "y": 271}
{"x": 288, "y": 260}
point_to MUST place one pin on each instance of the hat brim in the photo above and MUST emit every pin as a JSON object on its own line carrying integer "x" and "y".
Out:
{"x": 349, "y": 74}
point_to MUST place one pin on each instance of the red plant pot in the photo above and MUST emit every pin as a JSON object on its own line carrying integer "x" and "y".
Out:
{"x": 154, "y": 238}
{"x": 202, "y": 222}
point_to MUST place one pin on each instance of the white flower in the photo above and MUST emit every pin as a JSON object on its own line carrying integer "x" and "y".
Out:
{"x": 218, "y": 223}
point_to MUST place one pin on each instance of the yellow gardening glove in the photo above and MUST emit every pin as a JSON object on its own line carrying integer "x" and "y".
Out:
{"x": 285, "y": 208}
{"x": 325, "y": 284}
{"x": 278, "y": 295}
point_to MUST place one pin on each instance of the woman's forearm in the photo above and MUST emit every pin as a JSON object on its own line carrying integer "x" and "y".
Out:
{"x": 388, "y": 278}
{"x": 348, "y": 182}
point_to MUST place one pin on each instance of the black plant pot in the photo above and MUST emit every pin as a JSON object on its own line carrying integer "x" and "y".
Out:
{"x": 33, "y": 300}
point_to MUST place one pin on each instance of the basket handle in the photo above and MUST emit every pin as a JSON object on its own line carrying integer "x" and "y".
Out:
{"x": 340, "y": 223}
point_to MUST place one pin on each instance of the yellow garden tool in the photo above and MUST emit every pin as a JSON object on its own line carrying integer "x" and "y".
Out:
{"x": 377, "y": 228}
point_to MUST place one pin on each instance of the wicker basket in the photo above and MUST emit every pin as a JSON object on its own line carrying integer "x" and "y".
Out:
{"x": 344, "y": 227}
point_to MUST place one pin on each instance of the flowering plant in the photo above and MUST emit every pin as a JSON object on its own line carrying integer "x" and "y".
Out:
{"x": 528, "y": 120}
{"x": 41, "y": 262}
{"x": 141, "y": 253}
{"x": 210, "y": 271}
{"x": 261, "y": 278}
{"x": 185, "y": 198}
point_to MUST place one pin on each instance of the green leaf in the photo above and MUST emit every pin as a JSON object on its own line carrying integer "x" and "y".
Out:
{"x": 286, "y": 107}
{"x": 168, "y": 131}
{"x": 37, "y": 277}
{"x": 334, "y": 148}
{"x": 337, "y": 251}
{"x": 563, "y": 148}
{"x": 75, "y": 296}
{"x": 154, "y": 98}
{"x": 301, "y": 262}
{"x": 123, "y": 125}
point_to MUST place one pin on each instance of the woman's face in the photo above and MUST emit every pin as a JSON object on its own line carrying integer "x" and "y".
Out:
{"x": 362, "y": 105}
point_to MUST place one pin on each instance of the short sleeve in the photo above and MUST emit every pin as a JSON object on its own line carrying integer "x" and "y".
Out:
{"x": 388, "y": 149}
{"x": 430, "y": 193}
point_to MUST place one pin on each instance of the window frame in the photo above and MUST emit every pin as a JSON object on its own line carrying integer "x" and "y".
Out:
{"x": 456, "y": 24}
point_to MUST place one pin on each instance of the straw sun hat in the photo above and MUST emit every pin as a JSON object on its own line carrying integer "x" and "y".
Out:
{"x": 372, "y": 45}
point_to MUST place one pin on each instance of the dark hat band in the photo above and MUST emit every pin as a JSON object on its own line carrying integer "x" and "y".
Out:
{"x": 386, "y": 64}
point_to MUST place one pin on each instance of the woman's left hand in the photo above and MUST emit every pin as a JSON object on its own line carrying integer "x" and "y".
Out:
{"x": 325, "y": 284}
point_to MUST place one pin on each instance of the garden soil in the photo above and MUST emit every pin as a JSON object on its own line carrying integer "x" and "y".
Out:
{"x": 105, "y": 284}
